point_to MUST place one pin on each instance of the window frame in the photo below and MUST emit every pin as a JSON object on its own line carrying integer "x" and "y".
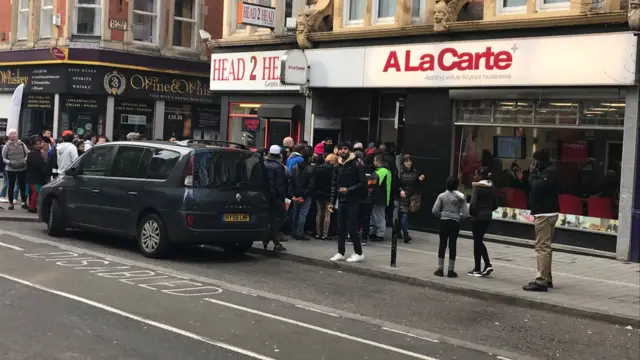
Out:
{"x": 43, "y": 9}
{"x": 155, "y": 26}
{"x": 193, "y": 22}
{"x": 98, "y": 6}
{"x": 140, "y": 162}
{"x": 510, "y": 10}
{"x": 347, "y": 13}
{"x": 541, "y": 6}
{"x": 421, "y": 13}
{"x": 375, "y": 19}
{"x": 26, "y": 20}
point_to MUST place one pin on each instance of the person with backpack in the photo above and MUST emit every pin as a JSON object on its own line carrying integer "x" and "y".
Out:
{"x": 14, "y": 156}
{"x": 450, "y": 207}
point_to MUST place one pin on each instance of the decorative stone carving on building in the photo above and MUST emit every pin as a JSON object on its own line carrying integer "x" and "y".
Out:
{"x": 446, "y": 12}
{"x": 633, "y": 15}
{"x": 312, "y": 20}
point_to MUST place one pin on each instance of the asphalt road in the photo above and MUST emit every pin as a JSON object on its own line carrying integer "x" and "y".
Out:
{"x": 120, "y": 305}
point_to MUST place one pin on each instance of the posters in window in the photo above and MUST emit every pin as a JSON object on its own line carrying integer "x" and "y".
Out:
{"x": 132, "y": 115}
{"x": 177, "y": 121}
{"x": 206, "y": 124}
{"x": 581, "y": 222}
{"x": 37, "y": 101}
{"x": 83, "y": 114}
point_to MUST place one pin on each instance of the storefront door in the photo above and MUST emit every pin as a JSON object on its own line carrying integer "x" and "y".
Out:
{"x": 277, "y": 130}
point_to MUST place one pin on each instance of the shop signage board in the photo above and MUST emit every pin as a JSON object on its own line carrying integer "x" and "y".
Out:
{"x": 256, "y": 15}
{"x": 584, "y": 60}
{"x": 254, "y": 71}
{"x": 45, "y": 79}
{"x": 294, "y": 68}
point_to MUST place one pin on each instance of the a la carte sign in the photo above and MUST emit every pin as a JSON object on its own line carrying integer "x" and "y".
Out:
{"x": 247, "y": 72}
{"x": 256, "y": 15}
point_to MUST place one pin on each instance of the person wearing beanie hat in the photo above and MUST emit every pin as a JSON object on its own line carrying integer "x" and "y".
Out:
{"x": 275, "y": 196}
{"x": 543, "y": 202}
{"x": 357, "y": 146}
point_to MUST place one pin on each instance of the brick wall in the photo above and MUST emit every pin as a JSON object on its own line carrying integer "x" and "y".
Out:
{"x": 61, "y": 8}
{"x": 118, "y": 12}
{"x": 5, "y": 20}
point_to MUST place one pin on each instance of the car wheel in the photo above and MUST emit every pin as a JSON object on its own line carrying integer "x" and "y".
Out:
{"x": 237, "y": 248}
{"x": 152, "y": 237}
{"x": 56, "y": 221}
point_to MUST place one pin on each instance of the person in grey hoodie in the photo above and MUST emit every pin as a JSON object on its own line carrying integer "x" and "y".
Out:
{"x": 14, "y": 156}
{"x": 483, "y": 203}
{"x": 66, "y": 151}
{"x": 450, "y": 207}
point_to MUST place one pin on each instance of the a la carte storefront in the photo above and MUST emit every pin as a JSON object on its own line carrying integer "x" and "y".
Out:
{"x": 493, "y": 103}
{"x": 111, "y": 101}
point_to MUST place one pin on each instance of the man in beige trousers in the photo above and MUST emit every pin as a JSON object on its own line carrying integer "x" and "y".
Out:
{"x": 543, "y": 201}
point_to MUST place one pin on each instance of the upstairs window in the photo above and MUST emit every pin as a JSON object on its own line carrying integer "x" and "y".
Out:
{"x": 354, "y": 11}
{"x": 88, "y": 17}
{"x": 384, "y": 11}
{"x": 46, "y": 15}
{"x": 184, "y": 24}
{"x": 145, "y": 21}
{"x": 23, "y": 19}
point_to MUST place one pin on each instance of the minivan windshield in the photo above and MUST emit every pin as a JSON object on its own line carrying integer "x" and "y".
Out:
{"x": 228, "y": 170}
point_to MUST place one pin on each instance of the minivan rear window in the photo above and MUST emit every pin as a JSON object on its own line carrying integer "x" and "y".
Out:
{"x": 228, "y": 170}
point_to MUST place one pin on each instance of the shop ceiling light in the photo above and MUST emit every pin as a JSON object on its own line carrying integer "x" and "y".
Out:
{"x": 507, "y": 103}
{"x": 250, "y": 105}
{"x": 562, "y": 104}
{"x": 614, "y": 104}
{"x": 593, "y": 112}
{"x": 603, "y": 109}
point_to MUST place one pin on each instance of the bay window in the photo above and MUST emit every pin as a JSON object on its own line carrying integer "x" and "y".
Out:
{"x": 354, "y": 12}
{"x": 384, "y": 11}
{"x": 145, "y": 21}
{"x": 184, "y": 24}
{"x": 46, "y": 14}
{"x": 23, "y": 19}
{"x": 88, "y": 17}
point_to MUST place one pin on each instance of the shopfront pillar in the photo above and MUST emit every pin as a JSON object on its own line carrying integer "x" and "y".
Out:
{"x": 628, "y": 244}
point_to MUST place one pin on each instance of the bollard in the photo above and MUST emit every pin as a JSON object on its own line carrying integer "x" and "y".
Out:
{"x": 394, "y": 242}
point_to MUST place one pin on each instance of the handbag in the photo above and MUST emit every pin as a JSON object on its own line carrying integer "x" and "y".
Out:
{"x": 415, "y": 201}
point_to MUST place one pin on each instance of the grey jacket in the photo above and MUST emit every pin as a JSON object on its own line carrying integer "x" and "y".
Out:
{"x": 14, "y": 156}
{"x": 451, "y": 205}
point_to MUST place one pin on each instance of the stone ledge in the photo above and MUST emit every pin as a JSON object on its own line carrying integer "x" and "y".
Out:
{"x": 252, "y": 41}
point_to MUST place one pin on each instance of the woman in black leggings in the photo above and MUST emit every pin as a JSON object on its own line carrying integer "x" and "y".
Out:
{"x": 483, "y": 203}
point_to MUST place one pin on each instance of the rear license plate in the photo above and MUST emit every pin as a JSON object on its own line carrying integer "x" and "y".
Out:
{"x": 235, "y": 217}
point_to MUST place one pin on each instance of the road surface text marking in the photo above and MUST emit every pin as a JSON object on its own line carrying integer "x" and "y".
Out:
{"x": 410, "y": 334}
{"x": 140, "y": 319}
{"x": 11, "y": 246}
{"x": 316, "y": 310}
{"x": 152, "y": 280}
{"x": 323, "y": 330}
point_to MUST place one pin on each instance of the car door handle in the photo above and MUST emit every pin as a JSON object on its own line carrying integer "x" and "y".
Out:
{"x": 95, "y": 191}
{"x": 132, "y": 193}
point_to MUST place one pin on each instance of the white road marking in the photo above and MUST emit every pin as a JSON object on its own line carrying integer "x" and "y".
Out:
{"x": 323, "y": 330}
{"x": 11, "y": 246}
{"x": 316, "y": 310}
{"x": 409, "y": 334}
{"x": 502, "y": 358}
{"x": 140, "y": 319}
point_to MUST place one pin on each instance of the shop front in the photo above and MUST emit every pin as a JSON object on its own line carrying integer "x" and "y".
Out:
{"x": 493, "y": 103}
{"x": 258, "y": 110}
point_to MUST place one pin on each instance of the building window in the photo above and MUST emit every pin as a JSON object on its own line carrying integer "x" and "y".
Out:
{"x": 184, "y": 24}
{"x": 245, "y": 127}
{"x": 512, "y": 6}
{"x": 145, "y": 21}
{"x": 23, "y": 19}
{"x": 416, "y": 10}
{"x": 46, "y": 13}
{"x": 384, "y": 10}
{"x": 552, "y": 4}
{"x": 354, "y": 12}
{"x": 88, "y": 17}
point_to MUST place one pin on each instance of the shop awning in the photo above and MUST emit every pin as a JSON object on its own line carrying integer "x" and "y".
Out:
{"x": 281, "y": 111}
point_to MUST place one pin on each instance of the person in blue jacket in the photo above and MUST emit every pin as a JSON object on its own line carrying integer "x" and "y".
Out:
{"x": 296, "y": 157}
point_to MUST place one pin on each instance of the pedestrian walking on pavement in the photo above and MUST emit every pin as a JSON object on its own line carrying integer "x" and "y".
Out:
{"x": 450, "y": 207}
{"x": 483, "y": 203}
{"x": 37, "y": 174}
{"x": 410, "y": 197}
{"x": 323, "y": 177}
{"x": 302, "y": 190}
{"x": 14, "y": 156}
{"x": 275, "y": 174}
{"x": 381, "y": 199}
{"x": 349, "y": 187}
{"x": 543, "y": 201}
{"x": 366, "y": 206}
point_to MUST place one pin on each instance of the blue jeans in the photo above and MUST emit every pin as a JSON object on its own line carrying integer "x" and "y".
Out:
{"x": 300, "y": 212}
{"x": 5, "y": 187}
{"x": 404, "y": 224}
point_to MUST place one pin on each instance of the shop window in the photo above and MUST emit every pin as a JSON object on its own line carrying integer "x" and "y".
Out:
{"x": 36, "y": 114}
{"x": 88, "y": 17}
{"x": 244, "y": 125}
{"x": 587, "y": 163}
{"x": 3, "y": 126}
{"x": 145, "y": 21}
{"x": 177, "y": 121}
{"x": 513, "y": 112}
{"x": 23, "y": 19}
{"x": 474, "y": 111}
{"x": 556, "y": 113}
{"x": 602, "y": 113}
{"x": 184, "y": 24}
{"x": 133, "y": 116}
{"x": 46, "y": 14}
{"x": 83, "y": 114}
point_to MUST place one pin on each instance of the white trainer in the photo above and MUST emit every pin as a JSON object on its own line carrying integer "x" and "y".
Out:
{"x": 337, "y": 257}
{"x": 355, "y": 258}
{"x": 4, "y": 200}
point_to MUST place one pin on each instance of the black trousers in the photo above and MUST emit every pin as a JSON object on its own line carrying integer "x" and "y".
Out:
{"x": 277, "y": 218}
{"x": 20, "y": 177}
{"x": 348, "y": 213}
{"x": 479, "y": 228}
{"x": 449, "y": 230}
{"x": 364, "y": 221}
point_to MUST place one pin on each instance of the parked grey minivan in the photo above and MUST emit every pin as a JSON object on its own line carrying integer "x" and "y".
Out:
{"x": 162, "y": 194}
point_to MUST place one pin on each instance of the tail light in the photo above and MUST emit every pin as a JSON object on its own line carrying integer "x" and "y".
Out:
{"x": 189, "y": 219}
{"x": 188, "y": 172}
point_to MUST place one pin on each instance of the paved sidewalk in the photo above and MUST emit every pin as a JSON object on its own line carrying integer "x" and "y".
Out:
{"x": 593, "y": 287}
{"x": 17, "y": 215}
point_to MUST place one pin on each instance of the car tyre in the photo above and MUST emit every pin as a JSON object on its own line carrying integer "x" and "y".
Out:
{"x": 56, "y": 221}
{"x": 237, "y": 248}
{"x": 152, "y": 237}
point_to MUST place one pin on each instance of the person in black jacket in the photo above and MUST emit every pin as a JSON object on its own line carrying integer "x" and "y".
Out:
{"x": 348, "y": 188}
{"x": 366, "y": 206}
{"x": 37, "y": 173}
{"x": 322, "y": 180}
{"x": 276, "y": 194}
{"x": 483, "y": 203}
{"x": 302, "y": 189}
{"x": 543, "y": 201}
